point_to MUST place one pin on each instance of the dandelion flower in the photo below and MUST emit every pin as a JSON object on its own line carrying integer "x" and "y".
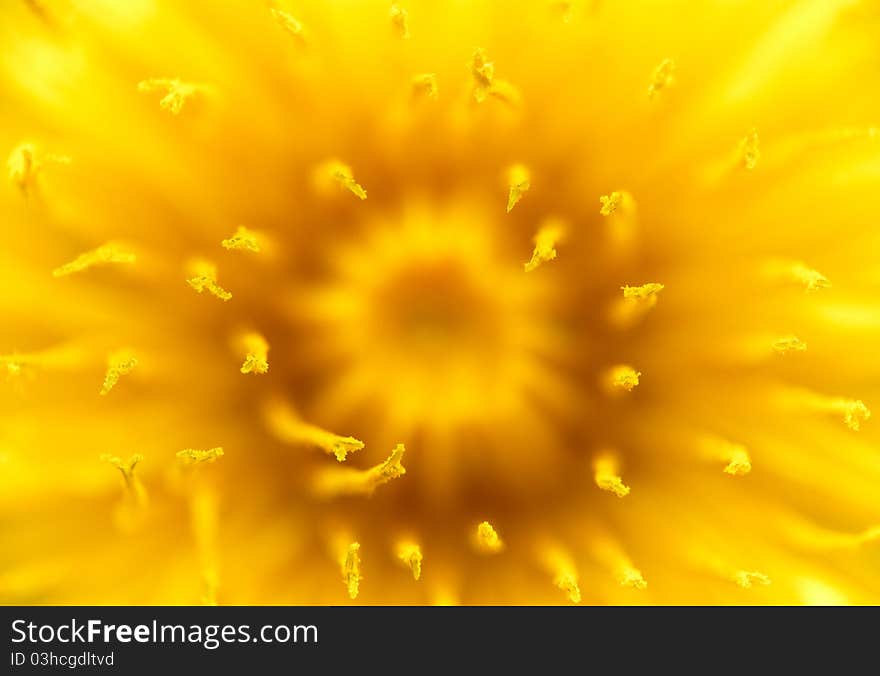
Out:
{"x": 578, "y": 297}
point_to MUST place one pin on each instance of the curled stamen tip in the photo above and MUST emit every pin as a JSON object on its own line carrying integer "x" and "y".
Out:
{"x": 486, "y": 84}
{"x": 623, "y": 377}
{"x": 813, "y": 280}
{"x": 411, "y": 555}
{"x": 342, "y": 446}
{"x": 193, "y": 456}
{"x": 256, "y": 349}
{"x": 177, "y": 92}
{"x": 118, "y": 364}
{"x": 548, "y": 236}
{"x": 567, "y": 582}
{"x": 425, "y": 84}
{"x": 607, "y": 476}
{"x": 400, "y": 21}
{"x": 630, "y": 577}
{"x": 392, "y": 468}
{"x": 333, "y": 481}
{"x": 736, "y": 457}
{"x": 289, "y": 427}
{"x": 334, "y": 171}
{"x": 613, "y": 484}
{"x": 244, "y": 239}
{"x": 488, "y": 540}
{"x": 645, "y": 292}
{"x": 483, "y": 72}
{"x": 25, "y": 165}
{"x": 22, "y": 165}
{"x": 255, "y": 364}
{"x": 518, "y": 180}
{"x": 205, "y": 279}
{"x": 855, "y": 413}
{"x": 608, "y": 204}
{"x": 748, "y": 578}
{"x": 740, "y": 463}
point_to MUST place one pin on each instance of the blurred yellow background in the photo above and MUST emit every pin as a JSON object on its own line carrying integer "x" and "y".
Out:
{"x": 464, "y": 301}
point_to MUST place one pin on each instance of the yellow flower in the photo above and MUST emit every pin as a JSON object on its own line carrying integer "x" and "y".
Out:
{"x": 557, "y": 268}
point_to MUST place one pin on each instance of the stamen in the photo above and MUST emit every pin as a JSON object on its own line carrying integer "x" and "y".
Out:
{"x": 290, "y": 428}
{"x": 607, "y": 475}
{"x": 634, "y": 304}
{"x": 103, "y": 255}
{"x": 24, "y": 167}
{"x": 351, "y": 569}
{"x": 622, "y": 378}
{"x": 621, "y": 211}
{"x": 411, "y": 555}
{"x": 631, "y": 577}
{"x": 486, "y": 84}
{"x": 645, "y": 292}
{"x": 242, "y": 240}
{"x": 715, "y": 565}
{"x": 797, "y": 272}
{"x": 340, "y": 173}
{"x": 193, "y": 456}
{"x": 177, "y": 92}
{"x": 335, "y": 481}
{"x": 130, "y": 510}
{"x": 488, "y": 541}
{"x": 425, "y": 84}
{"x": 519, "y": 182}
{"x": 205, "y": 279}
{"x": 748, "y": 578}
{"x": 483, "y": 72}
{"x": 610, "y": 203}
{"x": 663, "y": 77}
{"x": 568, "y": 583}
{"x": 558, "y": 563}
{"x": 853, "y": 411}
{"x": 615, "y": 559}
{"x": 740, "y": 462}
{"x": 118, "y": 364}
{"x": 546, "y": 239}
{"x": 813, "y": 280}
{"x": 256, "y": 353}
{"x": 400, "y": 21}
{"x": 736, "y": 456}
{"x": 125, "y": 467}
{"x": 789, "y": 343}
